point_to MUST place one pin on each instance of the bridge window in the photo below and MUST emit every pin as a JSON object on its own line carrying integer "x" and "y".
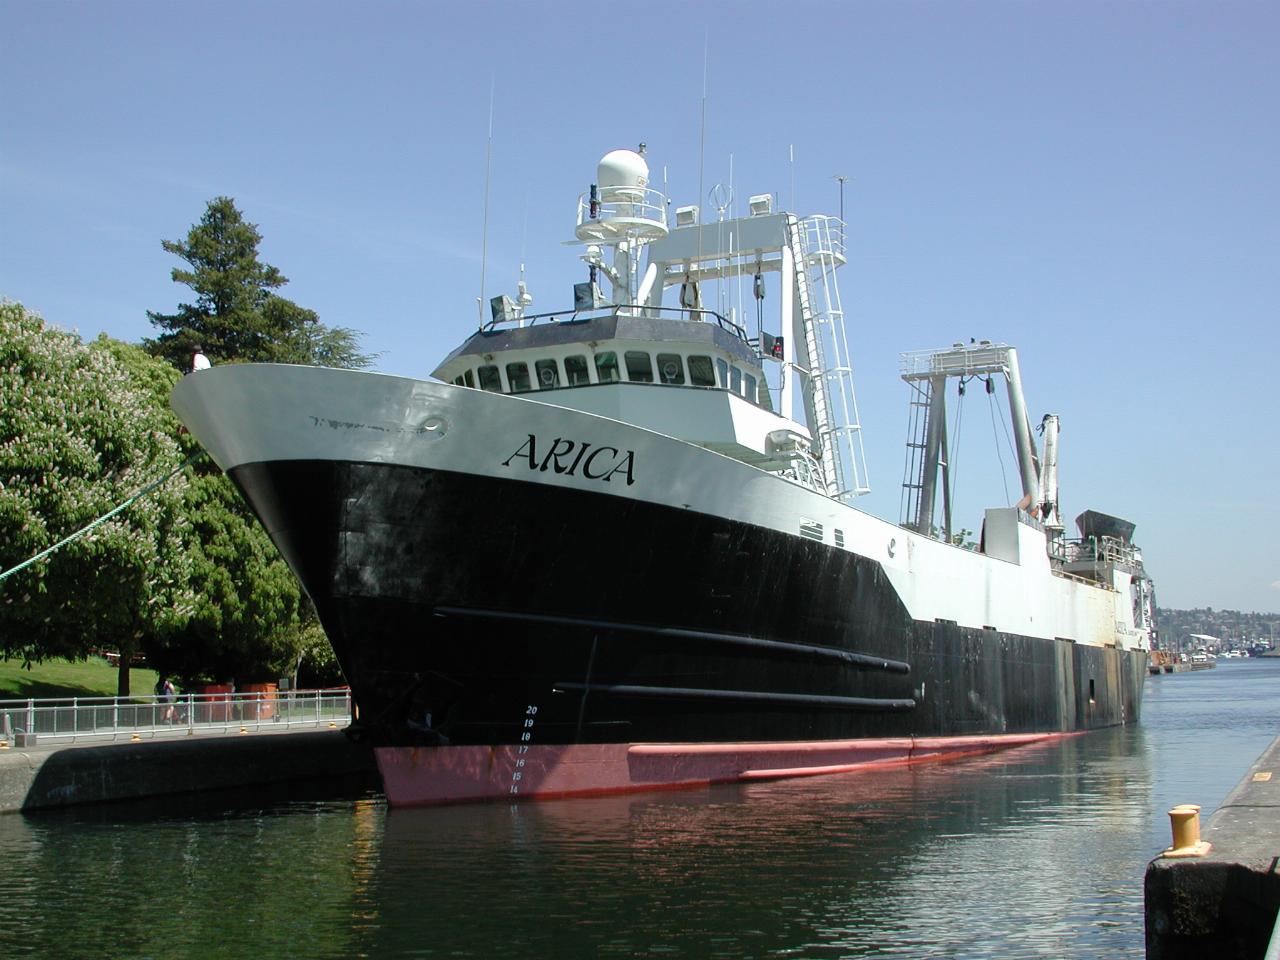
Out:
{"x": 490, "y": 379}
{"x": 723, "y": 368}
{"x": 701, "y": 372}
{"x": 749, "y": 382}
{"x": 764, "y": 397}
{"x": 639, "y": 366}
{"x": 575, "y": 371}
{"x": 735, "y": 379}
{"x": 670, "y": 368}
{"x": 548, "y": 374}
{"x": 607, "y": 367}
{"x": 518, "y": 377}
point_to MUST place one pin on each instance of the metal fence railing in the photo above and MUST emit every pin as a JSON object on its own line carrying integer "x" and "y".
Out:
{"x": 74, "y": 719}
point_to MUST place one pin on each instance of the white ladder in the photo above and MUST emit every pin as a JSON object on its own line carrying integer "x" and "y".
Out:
{"x": 817, "y": 244}
{"x": 913, "y": 473}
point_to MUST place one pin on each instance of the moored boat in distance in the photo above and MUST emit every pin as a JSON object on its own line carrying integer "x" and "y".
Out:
{"x": 617, "y": 547}
{"x": 1160, "y": 661}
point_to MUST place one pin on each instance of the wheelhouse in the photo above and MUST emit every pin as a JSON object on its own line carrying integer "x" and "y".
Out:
{"x": 692, "y": 350}
{"x": 684, "y": 371}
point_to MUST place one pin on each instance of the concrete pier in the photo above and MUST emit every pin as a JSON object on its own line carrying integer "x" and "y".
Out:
{"x": 1223, "y": 905}
{"x": 60, "y": 776}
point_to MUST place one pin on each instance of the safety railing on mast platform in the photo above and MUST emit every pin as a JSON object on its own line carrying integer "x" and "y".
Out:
{"x": 824, "y": 236}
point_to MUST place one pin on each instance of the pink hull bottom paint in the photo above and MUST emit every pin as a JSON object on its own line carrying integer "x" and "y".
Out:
{"x": 423, "y": 775}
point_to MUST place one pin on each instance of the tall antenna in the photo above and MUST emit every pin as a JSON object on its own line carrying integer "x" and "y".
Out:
{"x": 484, "y": 236}
{"x": 524, "y": 232}
{"x": 702, "y": 130}
{"x": 791, "y": 153}
{"x": 842, "y": 180}
{"x": 732, "y": 214}
{"x": 522, "y": 288}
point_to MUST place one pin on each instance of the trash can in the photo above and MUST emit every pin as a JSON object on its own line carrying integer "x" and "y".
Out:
{"x": 214, "y": 703}
{"x": 263, "y": 707}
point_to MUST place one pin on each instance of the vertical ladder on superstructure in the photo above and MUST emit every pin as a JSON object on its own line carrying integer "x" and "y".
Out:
{"x": 917, "y": 431}
{"x": 817, "y": 247}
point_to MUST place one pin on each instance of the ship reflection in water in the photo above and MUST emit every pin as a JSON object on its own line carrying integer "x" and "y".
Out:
{"x": 968, "y": 855}
{"x": 1033, "y": 852}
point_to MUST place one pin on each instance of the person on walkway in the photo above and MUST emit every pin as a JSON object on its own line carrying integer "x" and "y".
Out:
{"x": 199, "y": 361}
{"x": 169, "y": 695}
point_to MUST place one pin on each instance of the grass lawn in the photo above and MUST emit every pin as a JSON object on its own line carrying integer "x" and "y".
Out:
{"x": 67, "y": 678}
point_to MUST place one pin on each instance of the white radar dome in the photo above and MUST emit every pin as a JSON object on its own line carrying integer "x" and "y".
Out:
{"x": 622, "y": 175}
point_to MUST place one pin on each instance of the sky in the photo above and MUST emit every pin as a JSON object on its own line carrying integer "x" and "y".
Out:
{"x": 1095, "y": 183}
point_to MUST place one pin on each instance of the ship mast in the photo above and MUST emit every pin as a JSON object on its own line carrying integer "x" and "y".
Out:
{"x": 621, "y": 212}
{"x": 928, "y": 459}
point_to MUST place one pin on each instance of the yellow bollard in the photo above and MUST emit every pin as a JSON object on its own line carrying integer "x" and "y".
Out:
{"x": 1185, "y": 821}
{"x": 244, "y": 729}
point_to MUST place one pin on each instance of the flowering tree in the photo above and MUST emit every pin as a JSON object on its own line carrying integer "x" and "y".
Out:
{"x": 78, "y": 437}
{"x": 184, "y": 574}
{"x": 243, "y": 621}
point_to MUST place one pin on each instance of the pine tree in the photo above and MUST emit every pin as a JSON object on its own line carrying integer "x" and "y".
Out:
{"x": 249, "y": 617}
{"x": 237, "y": 315}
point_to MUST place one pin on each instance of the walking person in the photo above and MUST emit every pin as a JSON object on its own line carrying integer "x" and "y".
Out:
{"x": 169, "y": 695}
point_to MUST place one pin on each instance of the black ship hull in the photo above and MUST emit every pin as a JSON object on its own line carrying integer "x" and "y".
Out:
{"x": 473, "y": 611}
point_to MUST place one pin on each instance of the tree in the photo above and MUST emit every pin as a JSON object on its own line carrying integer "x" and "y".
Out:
{"x": 237, "y": 315}
{"x": 244, "y": 621}
{"x": 243, "y": 618}
{"x": 251, "y": 619}
{"x": 317, "y": 663}
{"x": 79, "y": 437}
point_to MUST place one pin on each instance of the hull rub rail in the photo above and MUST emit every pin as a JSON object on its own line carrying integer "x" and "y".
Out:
{"x": 860, "y": 661}
{"x": 745, "y": 696}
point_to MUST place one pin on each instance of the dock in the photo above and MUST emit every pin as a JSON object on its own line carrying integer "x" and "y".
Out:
{"x": 64, "y": 775}
{"x": 1224, "y": 904}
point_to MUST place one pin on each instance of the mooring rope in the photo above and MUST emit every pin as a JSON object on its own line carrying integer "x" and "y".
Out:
{"x": 105, "y": 517}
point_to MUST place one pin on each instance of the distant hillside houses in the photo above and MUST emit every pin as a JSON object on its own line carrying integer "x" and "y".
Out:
{"x": 1217, "y": 631}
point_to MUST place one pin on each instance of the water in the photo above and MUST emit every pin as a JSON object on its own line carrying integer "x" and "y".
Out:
{"x": 1032, "y": 853}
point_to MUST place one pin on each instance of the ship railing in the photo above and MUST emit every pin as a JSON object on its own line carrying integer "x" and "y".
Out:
{"x": 824, "y": 237}
{"x": 95, "y": 719}
{"x": 617, "y": 211}
{"x": 1092, "y": 549}
{"x": 695, "y": 315}
{"x": 960, "y": 360}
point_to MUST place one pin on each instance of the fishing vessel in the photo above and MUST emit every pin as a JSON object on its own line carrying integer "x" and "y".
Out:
{"x": 617, "y": 547}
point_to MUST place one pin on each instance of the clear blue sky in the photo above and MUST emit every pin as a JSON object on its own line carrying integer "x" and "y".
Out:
{"x": 1094, "y": 182}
